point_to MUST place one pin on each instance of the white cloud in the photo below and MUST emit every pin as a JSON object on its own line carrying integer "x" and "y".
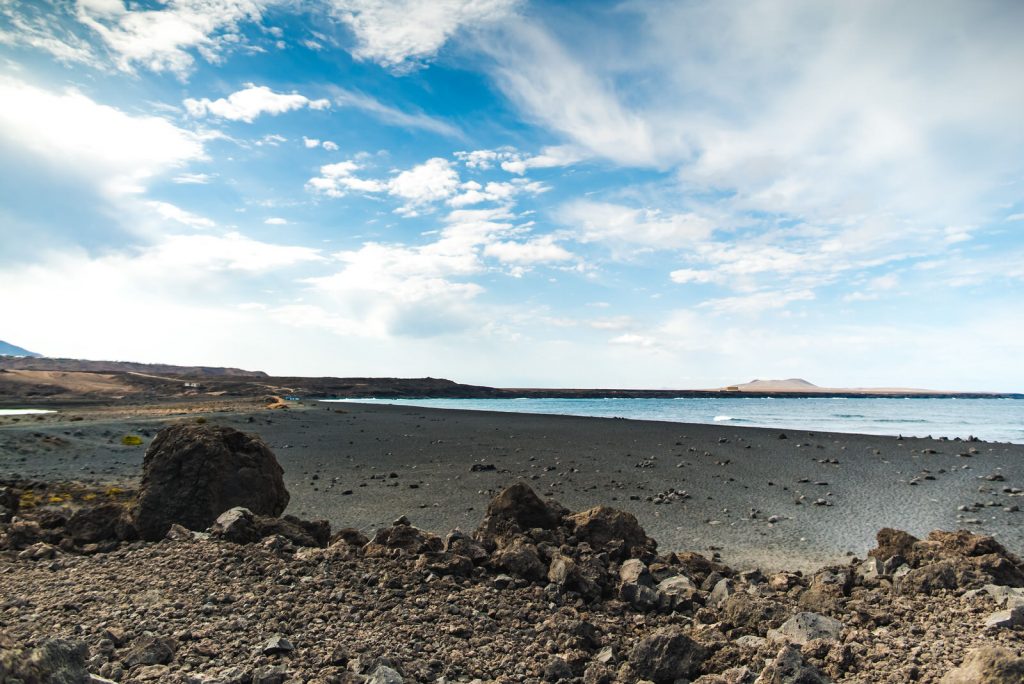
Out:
{"x": 689, "y": 275}
{"x": 271, "y": 139}
{"x": 537, "y": 250}
{"x": 549, "y": 85}
{"x": 433, "y": 180}
{"x": 633, "y": 339}
{"x": 231, "y": 252}
{"x": 175, "y": 213}
{"x": 550, "y": 157}
{"x": 192, "y": 178}
{"x": 619, "y": 225}
{"x": 336, "y": 180}
{"x": 163, "y": 39}
{"x": 313, "y": 143}
{"x": 276, "y": 221}
{"x": 393, "y": 116}
{"x": 474, "y": 193}
{"x": 757, "y": 302}
{"x": 398, "y": 33}
{"x": 34, "y": 26}
{"x": 247, "y": 104}
{"x": 119, "y": 151}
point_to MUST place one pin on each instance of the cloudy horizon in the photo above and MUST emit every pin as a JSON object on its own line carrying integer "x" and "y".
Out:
{"x": 626, "y": 194}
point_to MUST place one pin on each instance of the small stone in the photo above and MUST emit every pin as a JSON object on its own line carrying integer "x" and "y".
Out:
{"x": 1003, "y": 619}
{"x": 276, "y": 644}
{"x": 384, "y": 675}
{"x": 804, "y": 627}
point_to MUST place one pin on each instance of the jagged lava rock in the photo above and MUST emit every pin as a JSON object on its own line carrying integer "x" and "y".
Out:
{"x": 518, "y": 508}
{"x": 55, "y": 661}
{"x": 666, "y": 655}
{"x": 602, "y": 527}
{"x": 193, "y": 473}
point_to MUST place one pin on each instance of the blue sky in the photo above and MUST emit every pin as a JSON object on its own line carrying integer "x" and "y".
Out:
{"x": 635, "y": 194}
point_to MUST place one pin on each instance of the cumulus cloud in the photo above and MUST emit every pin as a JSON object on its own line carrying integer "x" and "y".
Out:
{"x": 338, "y": 179}
{"x": 432, "y": 181}
{"x": 401, "y": 33}
{"x": 475, "y": 193}
{"x": 250, "y": 102}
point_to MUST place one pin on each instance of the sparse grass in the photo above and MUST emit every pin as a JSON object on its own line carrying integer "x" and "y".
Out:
{"x": 131, "y": 440}
{"x": 28, "y": 499}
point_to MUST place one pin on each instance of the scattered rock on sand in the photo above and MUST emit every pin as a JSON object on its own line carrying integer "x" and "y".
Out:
{"x": 193, "y": 473}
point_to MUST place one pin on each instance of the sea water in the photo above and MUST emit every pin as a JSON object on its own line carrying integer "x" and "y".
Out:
{"x": 23, "y": 412}
{"x": 994, "y": 420}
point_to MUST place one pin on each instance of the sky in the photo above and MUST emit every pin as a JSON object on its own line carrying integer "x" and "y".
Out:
{"x": 525, "y": 194}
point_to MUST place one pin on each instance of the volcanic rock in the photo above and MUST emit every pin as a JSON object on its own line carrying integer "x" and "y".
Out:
{"x": 99, "y": 523}
{"x": 988, "y": 665}
{"x": 804, "y": 627}
{"x": 666, "y": 655}
{"x": 516, "y": 509}
{"x": 193, "y": 473}
{"x": 789, "y": 668}
{"x": 56, "y": 661}
{"x": 610, "y": 529}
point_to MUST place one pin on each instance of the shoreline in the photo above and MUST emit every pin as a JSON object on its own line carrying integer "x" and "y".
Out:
{"x": 735, "y": 479}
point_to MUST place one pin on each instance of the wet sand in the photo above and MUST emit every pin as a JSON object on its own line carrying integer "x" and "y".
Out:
{"x": 363, "y": 465}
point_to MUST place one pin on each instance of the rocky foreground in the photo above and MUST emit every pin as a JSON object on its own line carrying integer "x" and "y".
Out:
{"x": 196, "y": 578}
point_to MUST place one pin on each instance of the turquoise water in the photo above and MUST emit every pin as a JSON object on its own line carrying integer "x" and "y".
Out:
{"x": 995, "y": 420}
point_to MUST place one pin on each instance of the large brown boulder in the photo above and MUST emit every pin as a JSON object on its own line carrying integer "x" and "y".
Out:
{"x": 518, "y": 508}
{"x": 893, "y": 543}
{"x": 609, "y": 529}
{"x": 193, "y": 473}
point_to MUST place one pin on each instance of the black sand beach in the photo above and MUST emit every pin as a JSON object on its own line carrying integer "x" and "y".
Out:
{"x": 749, "y": 495}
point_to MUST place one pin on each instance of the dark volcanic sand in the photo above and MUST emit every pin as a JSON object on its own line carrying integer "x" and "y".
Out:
{"x": 727, "y": 471}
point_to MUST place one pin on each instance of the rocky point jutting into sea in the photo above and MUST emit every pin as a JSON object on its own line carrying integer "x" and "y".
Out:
{"x": 197, "y": 577}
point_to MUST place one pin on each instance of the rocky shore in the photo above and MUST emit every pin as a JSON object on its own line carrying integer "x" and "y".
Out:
{"x": 214, "y": 586}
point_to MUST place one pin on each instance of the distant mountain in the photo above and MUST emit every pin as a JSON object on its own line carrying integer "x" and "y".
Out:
{"x": 40, "y": 363}
{"x": 7, "y": 349}
{"x": 790, "y": 384}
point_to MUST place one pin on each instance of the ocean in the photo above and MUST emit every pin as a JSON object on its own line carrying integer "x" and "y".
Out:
{"x": 993, "y": 420}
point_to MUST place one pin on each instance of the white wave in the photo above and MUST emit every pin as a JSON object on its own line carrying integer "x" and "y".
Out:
{"x": 722, "y": 419}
